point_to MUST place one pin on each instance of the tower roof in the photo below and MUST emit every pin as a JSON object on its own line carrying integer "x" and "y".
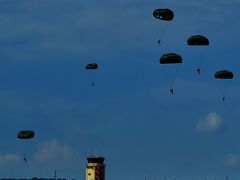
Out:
{"x": 95, "y": 159}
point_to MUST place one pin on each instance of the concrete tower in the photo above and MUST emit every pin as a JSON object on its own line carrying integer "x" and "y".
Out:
{"x": 95, "y": 169}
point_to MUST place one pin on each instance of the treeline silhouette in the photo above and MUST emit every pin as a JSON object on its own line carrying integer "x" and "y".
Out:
{"x": 31, "y": 179}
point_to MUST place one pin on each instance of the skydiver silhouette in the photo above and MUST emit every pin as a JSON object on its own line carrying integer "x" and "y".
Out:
{"x": 223, "y": 99}
{"x": 159, "y": 42}
{"x": 198, "y": 70}
{"x": 25, "y": 159}
{"x": 92, "y": 83}
{"x": 171, "y": 90}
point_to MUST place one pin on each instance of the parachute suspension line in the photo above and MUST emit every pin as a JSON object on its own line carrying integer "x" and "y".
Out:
{"x": 161, "y": 32}
{"x": 222, "y": 94}
{"x": 224, "y": 90}
{"x": 201, "y": 55}
{"x": 158, "y": 35}
{"x": 174, "y": 79}
{"x": 199, "y": 65}
{"x": 92, "y": 76}
{"x": 198, "y": 52}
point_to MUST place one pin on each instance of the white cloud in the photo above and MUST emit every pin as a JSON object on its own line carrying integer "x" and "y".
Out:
{"x": 52, "y": 152}
{"x": 210, "y": 123}
{"x": 9, "y": 159}
{"x": 55, "y": 155}
{"x": 232, "y": 160}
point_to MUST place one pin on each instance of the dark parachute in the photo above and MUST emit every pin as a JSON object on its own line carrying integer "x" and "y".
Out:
{"x": 163, "y": 14}
{"x": 198, "y": 40}
{"x": 25, "y": 134}
{"x": 91, "y": 66}
{"x": 170, "y": 58}
{"x": 224, "y": 74}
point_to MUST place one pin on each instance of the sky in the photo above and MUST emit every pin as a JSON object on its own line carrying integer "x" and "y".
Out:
{"x": 128, "y": 116}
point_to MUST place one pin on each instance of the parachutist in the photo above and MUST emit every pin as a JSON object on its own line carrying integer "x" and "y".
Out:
{"x": 25, "y": 159}
{"x": 171, "y": 90}
{"x": 159, "y": 42}
{"x": 91, "y": 67}
{"x": 224, "y": 75}
{"x": 198, "y": 70}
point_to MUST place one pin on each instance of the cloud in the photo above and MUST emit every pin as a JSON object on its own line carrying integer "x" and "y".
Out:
{"x": 6, "y": 159}
{"x": 210, "y": 123}
{"x": 232, "y": 160}
{"x": 49, "y": 155}
{"x": 52, "y": 152}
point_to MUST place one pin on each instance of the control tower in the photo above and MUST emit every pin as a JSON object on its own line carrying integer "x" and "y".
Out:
{"x": 95, "y": 169}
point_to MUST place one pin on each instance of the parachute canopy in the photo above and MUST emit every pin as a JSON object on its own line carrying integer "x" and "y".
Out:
{"x": 224, "y": 74}
{"x": 198, "y": 40}
{"x": 170, "y": 58}
{"x": 163, "y": 14}
{"x": 25, "y": 134}
{"x": 92, "y": 66}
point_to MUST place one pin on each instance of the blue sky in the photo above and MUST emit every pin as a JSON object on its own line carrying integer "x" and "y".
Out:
{"x": 129, "y": 116}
